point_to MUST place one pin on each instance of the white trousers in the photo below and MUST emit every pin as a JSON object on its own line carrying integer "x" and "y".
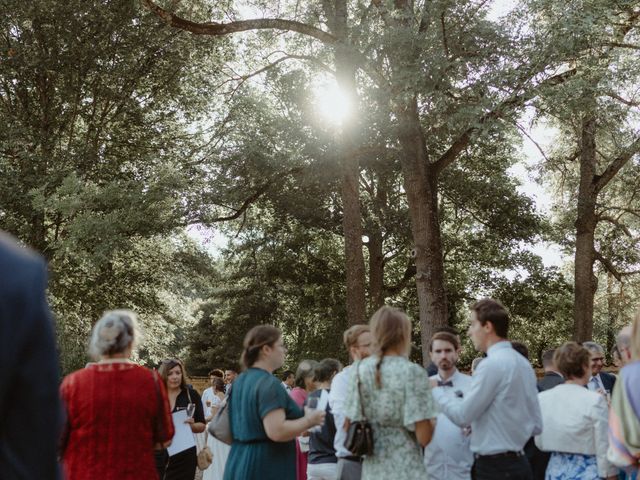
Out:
{"x": 321, "y": 471}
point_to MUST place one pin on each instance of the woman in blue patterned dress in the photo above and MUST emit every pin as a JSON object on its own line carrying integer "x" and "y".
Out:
{"x": 396, "y": 399}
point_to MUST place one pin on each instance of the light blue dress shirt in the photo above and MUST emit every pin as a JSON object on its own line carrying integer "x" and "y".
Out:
{"x": 337, "y": 399}
{"x": 501, "y": 405}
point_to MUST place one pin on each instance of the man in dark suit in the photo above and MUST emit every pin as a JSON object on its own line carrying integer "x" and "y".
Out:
{"x": 539, "y": 459}
{"x": 29, "y": 403}
{"x": 600, "y": 381}
{"x": 551, "y": 376}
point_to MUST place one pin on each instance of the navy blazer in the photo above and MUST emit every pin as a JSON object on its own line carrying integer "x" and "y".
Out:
{"x": 608, "y": 381}
{"x": 30, "y": 413}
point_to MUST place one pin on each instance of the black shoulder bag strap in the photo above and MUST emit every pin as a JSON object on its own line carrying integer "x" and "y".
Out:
{"x": 364, "y": 417}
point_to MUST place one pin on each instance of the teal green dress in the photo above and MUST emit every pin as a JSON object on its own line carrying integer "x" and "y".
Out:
{"x": 254, "y": 394}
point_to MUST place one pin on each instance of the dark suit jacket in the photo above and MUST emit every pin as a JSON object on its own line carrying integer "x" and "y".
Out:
{"x": 30, "y": 414}
{"x": 608, "y": 381}
{"x": 539, "y": 459}
{"x": 550, "y": 380}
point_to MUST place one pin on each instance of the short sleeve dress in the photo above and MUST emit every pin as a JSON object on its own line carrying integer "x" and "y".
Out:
{"x": 253, "y": 455}
{"x": 404, "y": 399}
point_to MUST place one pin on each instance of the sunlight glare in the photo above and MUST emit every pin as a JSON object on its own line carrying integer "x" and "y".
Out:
{"x": 333, "y": 104}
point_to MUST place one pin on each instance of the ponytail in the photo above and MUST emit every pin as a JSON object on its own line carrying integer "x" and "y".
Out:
{"x": 378, "y": 366}
{"x": 391, "y": 328}
{"x": 256, "y": 338}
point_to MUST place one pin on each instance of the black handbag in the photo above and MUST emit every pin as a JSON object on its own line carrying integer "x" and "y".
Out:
{"x": 359, "y": 439}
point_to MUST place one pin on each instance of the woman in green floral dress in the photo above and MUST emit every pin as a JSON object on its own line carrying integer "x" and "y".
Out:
{"x": 396, "y": 399}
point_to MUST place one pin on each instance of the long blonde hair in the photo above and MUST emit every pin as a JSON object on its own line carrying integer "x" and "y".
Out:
{"x": 391, "y": 328}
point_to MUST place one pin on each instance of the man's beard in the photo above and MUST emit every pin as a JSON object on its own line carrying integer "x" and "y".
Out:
{"x": 445, "y": 365}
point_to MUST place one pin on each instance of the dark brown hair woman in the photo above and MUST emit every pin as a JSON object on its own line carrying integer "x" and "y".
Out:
{"x": 182, "y": 465}
{"x": 264, "y": 419}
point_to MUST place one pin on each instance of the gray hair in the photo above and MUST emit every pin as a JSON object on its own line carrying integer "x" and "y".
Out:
{"x": 593, "y": 347}
{"x": 623, "y": 339}
{"x": 114, "y": 333}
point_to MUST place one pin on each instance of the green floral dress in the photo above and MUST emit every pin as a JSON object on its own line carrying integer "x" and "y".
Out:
{"x": 404, "y": 399}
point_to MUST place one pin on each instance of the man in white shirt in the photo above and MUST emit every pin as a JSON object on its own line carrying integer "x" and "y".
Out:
{"x": 357, "y": 340}
{"x": 502, "y": 402}
{"x": 448, "y": 455}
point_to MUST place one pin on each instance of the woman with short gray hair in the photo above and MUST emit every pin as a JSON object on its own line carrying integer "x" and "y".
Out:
{"x": 115, "y": 333}
{"x": 117, "y": 411}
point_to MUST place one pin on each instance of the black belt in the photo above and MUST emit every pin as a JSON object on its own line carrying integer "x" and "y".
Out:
{"x": 352, "y": 458}
{"x": 517, "y": 454}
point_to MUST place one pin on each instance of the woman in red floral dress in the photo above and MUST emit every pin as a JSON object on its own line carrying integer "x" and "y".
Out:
{"x": 117, "y": 411}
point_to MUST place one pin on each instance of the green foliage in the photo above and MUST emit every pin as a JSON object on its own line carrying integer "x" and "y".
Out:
{"x": 117, "y": 132}
{"x": 97, "y": 111}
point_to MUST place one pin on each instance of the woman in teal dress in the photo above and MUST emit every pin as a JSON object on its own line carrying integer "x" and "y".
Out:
{"x": 395, "y": 398}
{"x": 264, "y": 419}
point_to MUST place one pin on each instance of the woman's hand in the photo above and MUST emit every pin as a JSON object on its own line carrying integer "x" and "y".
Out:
{"x": 190, "y": 420}
{"x": 314, "y": 417}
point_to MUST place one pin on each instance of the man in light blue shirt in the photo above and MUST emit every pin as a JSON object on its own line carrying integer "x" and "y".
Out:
{"x": 502, "y": 402}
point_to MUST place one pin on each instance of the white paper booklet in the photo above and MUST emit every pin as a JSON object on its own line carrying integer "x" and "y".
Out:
{"x": 183, "y": 438}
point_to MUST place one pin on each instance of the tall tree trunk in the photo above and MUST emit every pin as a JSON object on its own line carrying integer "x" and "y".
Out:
{"x": 612, "y": 313}
{"x": 421, "y": 186}
{"x": 376, "y": 270}
{"x": 352, "y": 216}
{"x": 586, "y": 220}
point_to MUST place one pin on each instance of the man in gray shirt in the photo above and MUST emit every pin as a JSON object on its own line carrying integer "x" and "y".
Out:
{"x": 502, "y": 402}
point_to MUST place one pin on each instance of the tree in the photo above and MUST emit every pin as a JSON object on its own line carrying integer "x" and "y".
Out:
{"x": 594, "y": 112}
{"x": 284, "y": 264}
{"x": 415, "y": 61}
{"x": 97, "y": 109}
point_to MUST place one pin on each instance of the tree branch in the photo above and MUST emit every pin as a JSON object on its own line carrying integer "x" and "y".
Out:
{"x": 245, "y": 205}
{"x": 536, "y": 144}
{"x": 623, "y": 45}
{"x": 630, "y": 211}
{"x": 606, "y": 263}
{"x": 409, "y": 273}
{"x": 601, "y": 181}
{"x": 220, "y": 29}
{"x": 630, "y": 103}
{"x": 448, "y": 157}
{"x": 616, "y": 223}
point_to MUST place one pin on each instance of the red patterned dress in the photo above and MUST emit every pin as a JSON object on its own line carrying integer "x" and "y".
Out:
{"x": 116, "y": 412}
